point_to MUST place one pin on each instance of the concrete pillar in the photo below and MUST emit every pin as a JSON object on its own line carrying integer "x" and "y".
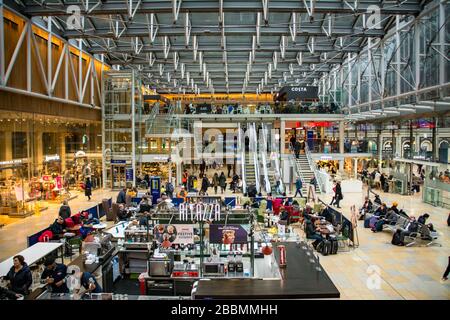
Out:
{"x": 39, "y": 152}
{"x": 341, "y": 167}
{"x": 355, "y": 168}
{"x": 380, "y": 150}
{"x": 179, "y": 172}
{"x": 282, "y": 136}
{"x": 8, "y": 151}
{"x": 62, "y": 151}
{"x": 341, "y": 136}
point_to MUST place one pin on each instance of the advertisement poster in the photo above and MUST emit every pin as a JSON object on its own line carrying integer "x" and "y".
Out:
{"x": 174, "y": 234}
{"x": 19, "y": 193}
{"x": 227, "y": 234}
{"x": 58, "y": 182}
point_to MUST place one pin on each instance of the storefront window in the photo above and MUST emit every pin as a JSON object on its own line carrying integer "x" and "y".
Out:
{"x": 19, "y": 145}
{"x": 49, "y": 143}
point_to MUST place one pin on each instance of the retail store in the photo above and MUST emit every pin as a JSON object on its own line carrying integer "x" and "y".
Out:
{"x": 175, "y": 150}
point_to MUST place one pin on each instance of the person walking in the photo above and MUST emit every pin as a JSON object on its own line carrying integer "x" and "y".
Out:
{"x": 338, "y": 194}
{"x": 447, "y": 271}
{"x": 88, "y": 189}
{"x": 297, "y": 149}
{"x": 222, "y": 182}
{"x": 215, "y": 182}
{"x": 333, "y": 200}
{"x": 312, "y": 189}
{"x": 298, "y": 187}
{"x": 205, "y": 185}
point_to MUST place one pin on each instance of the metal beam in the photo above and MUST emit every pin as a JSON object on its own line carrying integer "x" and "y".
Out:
{"x": 230, "y": 30}
{"x": 407, "y": 7}
{"x": 230, "y": 48}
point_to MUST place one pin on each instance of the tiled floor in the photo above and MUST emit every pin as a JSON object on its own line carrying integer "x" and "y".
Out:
{"x": 404, "y": 273}
{"x": 374, "y": 270}
{"x": 13, "y": 236}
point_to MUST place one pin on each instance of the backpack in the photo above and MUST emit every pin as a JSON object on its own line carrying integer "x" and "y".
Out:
{"x": 379, "y": 225}
{"x": 396, "y": 238}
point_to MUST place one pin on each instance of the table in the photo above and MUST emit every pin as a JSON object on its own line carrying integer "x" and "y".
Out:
{"x": 31, "y": 254}
{"x": 118, "y": 230}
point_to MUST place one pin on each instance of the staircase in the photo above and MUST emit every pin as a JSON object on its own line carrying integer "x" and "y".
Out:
{"x": 249, "y": 169}
{"x": 306, "y": 172}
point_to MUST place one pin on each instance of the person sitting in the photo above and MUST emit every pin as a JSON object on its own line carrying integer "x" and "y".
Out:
{"x": 145, "y": 205}
{"x": 121, "y": 197}
{"x": 391, "y": 218}
{"x": 19, "y": 276}
{"x": 311, "y": 233}
{"x": 411, "y": 227}
{"x": 276, "y": 205}
{"x": 182, "y": 194}
{"x": 284, "y": 216}
{"x": 366, "y": 207}
{"x": 381, "y": 210}
{"x": 123, "y": 214}
{"x": 423, "y": 220}
{"x": 55, "y": 275}
{"x": 394, "y": 207}
{"x": 64, "y": 210}
{"x": 58, "y": 228}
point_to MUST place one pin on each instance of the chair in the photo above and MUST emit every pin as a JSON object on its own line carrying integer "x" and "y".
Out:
{"x": 343, "y": 237}
{"x": 423, "y": 235}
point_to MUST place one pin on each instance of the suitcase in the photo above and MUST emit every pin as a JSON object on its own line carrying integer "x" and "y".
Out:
{"x": 334, "y": 246}
{"x": 373, "y": 220}
{"x": 325, "y": 248}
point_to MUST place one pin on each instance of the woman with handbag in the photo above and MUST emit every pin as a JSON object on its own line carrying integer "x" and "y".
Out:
{"x": 88, "y": 189}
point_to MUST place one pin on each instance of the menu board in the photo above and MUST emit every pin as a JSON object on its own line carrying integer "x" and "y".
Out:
{"x": 174, "y": 234}
{"x": 227, "y": 234}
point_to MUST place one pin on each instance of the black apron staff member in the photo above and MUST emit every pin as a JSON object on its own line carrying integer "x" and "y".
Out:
{"x": 19, "y": 276}
{"x": 55, "y": 275}
{"x": 89, "y": 283}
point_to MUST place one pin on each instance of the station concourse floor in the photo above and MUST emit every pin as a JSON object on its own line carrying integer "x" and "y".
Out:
{"x": 405, "y": 273}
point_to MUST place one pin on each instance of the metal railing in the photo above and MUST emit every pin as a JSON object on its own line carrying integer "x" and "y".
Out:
{"x": 313, "y": 166}
{"x": 254, "y": 150}
{"x": 263, "y": 152}
{"x": 241, "y": 151}
{"x": 151, "y": 118}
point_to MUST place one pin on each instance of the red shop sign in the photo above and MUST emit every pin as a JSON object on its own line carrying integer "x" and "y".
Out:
{"x": 313, "y": 124}
{"x": 46, "y": 178}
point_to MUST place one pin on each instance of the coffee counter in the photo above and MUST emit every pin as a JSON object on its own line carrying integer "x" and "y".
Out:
{"x": 300, "y": 280}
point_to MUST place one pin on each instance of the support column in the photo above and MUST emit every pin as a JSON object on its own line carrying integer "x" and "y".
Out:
{"x": 380, "y": 150}
{"x": 8, "y": 149}
{"x": 434, "y": 140}
{"x": 283, "y": 136}
{"x": 341, "y": 137}
{"x": 39, "y": 152}
{"x": 179, "y": 172}
{"x": 355, "y": 168}
{"x": 62, "y": 151}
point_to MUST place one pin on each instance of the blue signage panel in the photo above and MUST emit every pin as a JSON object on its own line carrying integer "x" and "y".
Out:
{"x": 118, "y": 161}
{"x": 155, "y": 188}
{"x": 129, "y": 174}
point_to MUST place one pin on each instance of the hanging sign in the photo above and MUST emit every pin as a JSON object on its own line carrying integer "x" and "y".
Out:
{"x": 227, "y": 234}
{"x": 199, "y": 211}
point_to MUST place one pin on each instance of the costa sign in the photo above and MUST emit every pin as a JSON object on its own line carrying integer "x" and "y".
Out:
{"x": 297, "y": 93}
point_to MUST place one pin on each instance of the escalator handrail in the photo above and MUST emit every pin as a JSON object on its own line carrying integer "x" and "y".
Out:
{"x": 253, "y": 149}
{"x": 242, "y": 156}
{"x": 264, "y": 159}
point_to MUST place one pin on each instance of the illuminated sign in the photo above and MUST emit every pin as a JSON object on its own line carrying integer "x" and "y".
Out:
{"x": 199, "y": 211}
{"x": 54, "y": 157}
